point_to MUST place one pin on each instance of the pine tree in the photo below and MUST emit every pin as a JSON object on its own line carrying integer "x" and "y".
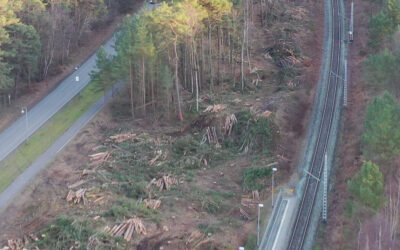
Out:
{"x": 381, "y": 137}
{"x": 367, "y": 186}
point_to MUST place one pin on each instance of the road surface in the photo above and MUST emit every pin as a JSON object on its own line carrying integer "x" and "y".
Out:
{"x": 18, "y": 184}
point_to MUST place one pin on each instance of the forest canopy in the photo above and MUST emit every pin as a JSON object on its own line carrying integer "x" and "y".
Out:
{"x": 37, "y": 36}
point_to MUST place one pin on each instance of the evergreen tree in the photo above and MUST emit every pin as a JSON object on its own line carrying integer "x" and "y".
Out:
{"x": 24, "y": 52}
{"x": 381, "y": 137}
{"x": 367, "y": 186}
{"x": 382, "y": 69}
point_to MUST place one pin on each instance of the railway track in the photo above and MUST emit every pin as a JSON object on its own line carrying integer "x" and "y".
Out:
{"x": 306, "y": 206}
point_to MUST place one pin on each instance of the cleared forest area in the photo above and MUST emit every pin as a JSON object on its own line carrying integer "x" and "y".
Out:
{"x": 217, "y": 94}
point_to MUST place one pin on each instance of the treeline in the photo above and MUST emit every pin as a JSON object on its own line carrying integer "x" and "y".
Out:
{"x": 183, "y": 47}
{"x": 37, "y": 36}
{"x": 380, "y": 140}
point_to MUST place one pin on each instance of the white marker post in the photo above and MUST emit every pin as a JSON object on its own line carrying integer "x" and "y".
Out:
{"x": 273, "y": 190}
{"x": 258, "y": 223}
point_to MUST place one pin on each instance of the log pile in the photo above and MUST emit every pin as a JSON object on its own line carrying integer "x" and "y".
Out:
{"x": 251, "y": 201}
{"x": 122, "y": 137}
{"x": 215, "y": 108}
{"x": 194, "y": 238}
{"x": 152, "y": 203}
{"x": 77, "y": 197}
{"x": 15, "y": 244}
{"x": 244, "y": 214}
{"x": 230, "y": 121}
{"x": 163, "y": 183}
{"x": 19, "y": 244}
{"x": 127, "y": 228}
{"x": 212, "y": 136}
{"x": 99, "y": 158}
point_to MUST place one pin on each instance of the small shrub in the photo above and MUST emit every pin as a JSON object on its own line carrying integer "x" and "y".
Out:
{"x": 255, "y": 178}
{"x": 252, "y": 135}
{"x": 349, "y": 208}
{"x": 206, "y": 228}
{"x": 251, "y": 242}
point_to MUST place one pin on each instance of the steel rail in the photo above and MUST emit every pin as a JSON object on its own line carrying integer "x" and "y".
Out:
{"x": 309, "y": 196}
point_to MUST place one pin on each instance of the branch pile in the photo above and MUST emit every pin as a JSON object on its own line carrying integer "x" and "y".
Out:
{"x": 163, "y": 183}
{"x": 122, "y": 137}
{"x": 127, "y": 228}
{"x": 152, "y": 203}
{"x": 77, "y": 196}
{"x": 215, "y": 108}
{"x": 230, "y": 121}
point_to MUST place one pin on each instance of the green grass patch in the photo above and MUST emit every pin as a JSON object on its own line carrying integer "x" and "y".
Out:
{"x": 37, "y": 144}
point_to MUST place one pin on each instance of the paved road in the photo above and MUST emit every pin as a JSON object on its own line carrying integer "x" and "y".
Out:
{"x": 23, "y": 128}
{"x": 7, "y": 195}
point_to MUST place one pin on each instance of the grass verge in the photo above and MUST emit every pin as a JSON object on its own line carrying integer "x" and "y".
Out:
{"x": 27, "y": 153}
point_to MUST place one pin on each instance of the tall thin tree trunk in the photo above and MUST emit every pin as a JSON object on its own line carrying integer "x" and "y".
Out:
{"x": 144, "y": 85}
{"x": 219, "y": 54}
{"x": 242, "y": 53}
{"x": 131, "y": 84}
{"x": 177, "y": 80}
{"x": 196, "y": 70}
{"x": 210, "y": 57}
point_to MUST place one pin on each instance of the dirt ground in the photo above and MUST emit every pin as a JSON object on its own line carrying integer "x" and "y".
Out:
{"x": 43, "y": 200}
{"x": 43, "y": 88}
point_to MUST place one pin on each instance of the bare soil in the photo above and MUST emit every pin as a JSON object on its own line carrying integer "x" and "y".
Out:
{"x": 43, "y": 200}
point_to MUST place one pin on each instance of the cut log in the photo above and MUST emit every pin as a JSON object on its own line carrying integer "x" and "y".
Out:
{"x": 77, "y": 184}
